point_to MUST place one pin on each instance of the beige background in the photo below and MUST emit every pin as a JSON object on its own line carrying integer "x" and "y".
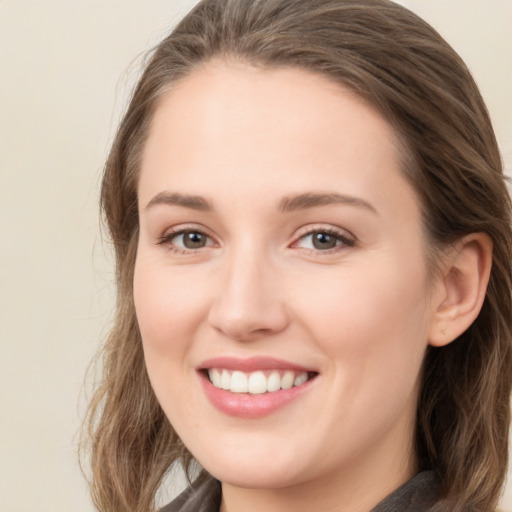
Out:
{"x": 65, "y": 70}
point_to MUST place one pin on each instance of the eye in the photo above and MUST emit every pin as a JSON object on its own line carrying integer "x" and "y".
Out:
{"x": 324, "y": 240}
{"x": 186, "y": 240}
{"x": 191, "y": 239}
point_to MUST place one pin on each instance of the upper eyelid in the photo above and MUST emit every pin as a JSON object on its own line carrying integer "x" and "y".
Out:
{"x": 345, "y": 237}
{"x": 318, "y": 228}
{"x": 181, "y": 228}
{"x": 169, "y": 234}
{"x": 298, "y": 235}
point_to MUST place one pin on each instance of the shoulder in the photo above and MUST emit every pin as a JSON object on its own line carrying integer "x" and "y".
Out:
{"x": 419, "y": 494}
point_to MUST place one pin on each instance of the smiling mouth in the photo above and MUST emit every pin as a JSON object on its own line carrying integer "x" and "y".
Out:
{"x": 257, "y": 382}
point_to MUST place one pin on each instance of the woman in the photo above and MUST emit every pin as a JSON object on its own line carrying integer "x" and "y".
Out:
{"x": 313, "y": 243}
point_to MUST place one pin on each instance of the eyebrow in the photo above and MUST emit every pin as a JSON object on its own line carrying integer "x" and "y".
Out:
{"x": 286, "y": 204}
{"x": 312, "y": 200}
{"x": 185, "y": 200}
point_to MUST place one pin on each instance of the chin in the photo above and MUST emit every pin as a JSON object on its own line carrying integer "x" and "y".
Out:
{"x": 255, "y": 479}
{"x": 268, "y": 474}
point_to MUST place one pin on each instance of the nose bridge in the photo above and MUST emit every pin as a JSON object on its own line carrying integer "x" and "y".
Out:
{"x": 248, "y": 303}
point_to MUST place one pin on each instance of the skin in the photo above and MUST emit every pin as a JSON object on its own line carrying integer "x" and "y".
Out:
{"x": 243, "y": 138}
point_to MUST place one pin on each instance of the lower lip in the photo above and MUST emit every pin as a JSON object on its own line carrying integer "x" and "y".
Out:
{"x": 245, "y": 405}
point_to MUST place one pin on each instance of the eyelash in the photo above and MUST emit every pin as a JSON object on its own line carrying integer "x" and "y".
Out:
{"x": 167, "y": 238}
{"x": 343, "y": 239}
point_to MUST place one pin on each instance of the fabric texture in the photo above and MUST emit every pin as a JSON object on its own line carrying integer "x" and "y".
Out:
{"x": 203, "y": 495}
{"x": 419, "y": 494}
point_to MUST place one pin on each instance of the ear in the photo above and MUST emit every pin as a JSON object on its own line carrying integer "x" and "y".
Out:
{"x": 462, "y": 286}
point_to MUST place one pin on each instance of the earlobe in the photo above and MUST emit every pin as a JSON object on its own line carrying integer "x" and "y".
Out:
{"x": 462, "y": 287}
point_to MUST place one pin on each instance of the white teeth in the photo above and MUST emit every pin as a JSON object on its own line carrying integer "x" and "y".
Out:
{"x": 300, "y": 379}
{"x": 239, "y": 382}
{"x": 287, "y": 380}
{"x": 216, "y": 377}
{"x": 225, "y": 380}
{"x": 256, "y": 383}
{"x": 274, "y": 382}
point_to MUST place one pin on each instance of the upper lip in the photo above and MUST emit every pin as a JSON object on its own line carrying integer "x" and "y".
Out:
{"x": 251, "y": 364}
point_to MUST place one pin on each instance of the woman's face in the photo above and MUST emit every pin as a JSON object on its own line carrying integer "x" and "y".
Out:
{"x": 280, "y": 246}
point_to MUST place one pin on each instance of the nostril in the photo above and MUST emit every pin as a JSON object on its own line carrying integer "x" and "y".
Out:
{"x": 248, "y": 322}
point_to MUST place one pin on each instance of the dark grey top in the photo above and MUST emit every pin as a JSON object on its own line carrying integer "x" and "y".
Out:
{"x": 419, "y": 494}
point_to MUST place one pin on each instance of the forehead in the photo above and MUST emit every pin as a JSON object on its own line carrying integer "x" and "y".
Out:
{"x": 265, "y": 127}
{"x": 222, "y": 95}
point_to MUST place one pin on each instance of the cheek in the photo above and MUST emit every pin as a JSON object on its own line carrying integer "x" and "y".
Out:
{"x": 371, "y": 319}
{"x": 373, "y": 328}
{"x": 168, "y": 305}
{"x": 168, "y": 309}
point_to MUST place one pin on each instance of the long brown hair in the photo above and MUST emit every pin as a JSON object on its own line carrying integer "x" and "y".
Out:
{"x": 406, "y": 70}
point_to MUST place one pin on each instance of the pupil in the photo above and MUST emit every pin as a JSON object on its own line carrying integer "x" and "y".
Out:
{"x": 193, "y": 240}
{"x": 324, "y": 241}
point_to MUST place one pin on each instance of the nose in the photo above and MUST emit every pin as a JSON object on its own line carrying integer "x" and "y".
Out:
{"x": 248, "y": 304}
